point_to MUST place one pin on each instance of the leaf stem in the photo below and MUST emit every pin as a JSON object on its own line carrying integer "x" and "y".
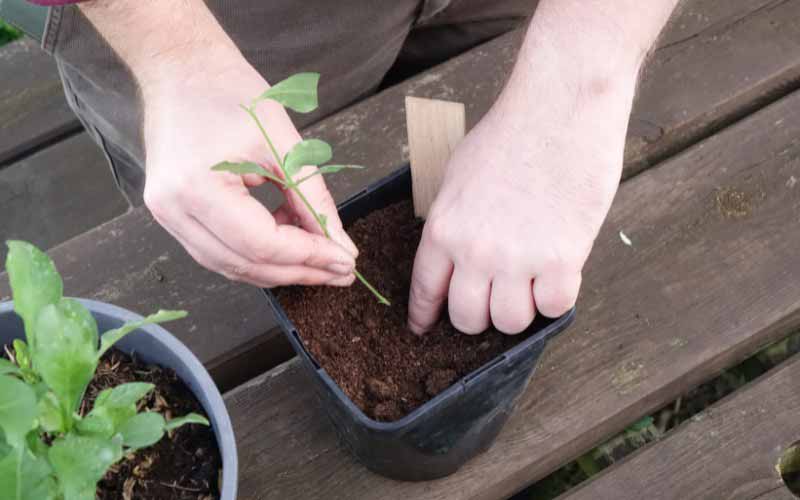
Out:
{"x": 294, "y": 186}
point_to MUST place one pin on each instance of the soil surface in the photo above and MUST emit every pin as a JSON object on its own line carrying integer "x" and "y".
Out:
{"x": 365, "y": 346}
{"x": 184, "y": 465}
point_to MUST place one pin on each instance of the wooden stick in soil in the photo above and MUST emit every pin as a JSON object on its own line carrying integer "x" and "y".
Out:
{"x": 434, "y": 129}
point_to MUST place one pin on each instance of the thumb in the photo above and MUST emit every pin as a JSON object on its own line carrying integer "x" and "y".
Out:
{"x": 318, "y": 196}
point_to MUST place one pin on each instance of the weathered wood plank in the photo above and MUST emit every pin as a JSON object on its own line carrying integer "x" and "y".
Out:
{"x": 229, "y": 325}
{"x": 56, "y": 194}
{"x": 33, "y": 110}
{"x": 728, "y": 451}
{"x": 713, "y": 273}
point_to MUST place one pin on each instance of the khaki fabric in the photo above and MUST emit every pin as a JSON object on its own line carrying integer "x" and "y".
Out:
{"x": 353, "y": 43}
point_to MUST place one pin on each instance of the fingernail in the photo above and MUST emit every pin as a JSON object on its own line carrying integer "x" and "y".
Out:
{"x": 339, "y": 268}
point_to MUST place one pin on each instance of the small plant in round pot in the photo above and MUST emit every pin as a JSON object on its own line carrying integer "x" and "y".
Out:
{"x": 409, "y": 407}
{"x": 69, "y": 418}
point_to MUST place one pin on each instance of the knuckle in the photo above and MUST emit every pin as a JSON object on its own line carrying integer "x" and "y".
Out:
{"x": 438, "y": 232}
{"x": 480, "y": 252}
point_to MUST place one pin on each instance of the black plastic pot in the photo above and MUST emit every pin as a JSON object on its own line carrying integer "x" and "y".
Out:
{"x": 153, "y": 344}
{"x": 440, "y": 436}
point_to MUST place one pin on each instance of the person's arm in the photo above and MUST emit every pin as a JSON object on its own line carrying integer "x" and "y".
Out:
{"x": 528, "y": 189}
{"x": 192, "y": 80}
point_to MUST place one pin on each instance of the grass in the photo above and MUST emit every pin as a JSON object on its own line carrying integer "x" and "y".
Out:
{"x": 8, "y": 33}
{"x": 653, "y": 427}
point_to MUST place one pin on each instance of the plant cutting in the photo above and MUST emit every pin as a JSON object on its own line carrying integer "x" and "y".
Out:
{"x": 298, "y": 93}
{"x": 52, "y": 445}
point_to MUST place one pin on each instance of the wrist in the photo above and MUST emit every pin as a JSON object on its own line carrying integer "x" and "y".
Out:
{"x": 165, "y": 44}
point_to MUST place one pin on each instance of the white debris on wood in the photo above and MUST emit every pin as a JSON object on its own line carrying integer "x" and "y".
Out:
{"x": 791, "y": 182}
{"x": 625, "y": 239}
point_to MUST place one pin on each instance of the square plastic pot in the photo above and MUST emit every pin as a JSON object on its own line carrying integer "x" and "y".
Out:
{"x": 153, "y": 344}
{"x": 437, "y": 438}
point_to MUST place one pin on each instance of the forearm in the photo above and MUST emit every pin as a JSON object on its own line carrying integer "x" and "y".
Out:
{"x": 580, "y": 61}
{"x": 164, "y": 43}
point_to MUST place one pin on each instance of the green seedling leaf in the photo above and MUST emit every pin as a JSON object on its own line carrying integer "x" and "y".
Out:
{"x": 36, "y": 445}
{"x": 123, "y": 395}
{"x": 81, "y": 461}
{"x": 24, "y": 476}
{"x": 35, "y": 283}
{"x": 329, "y": 169}
{"x": 112, "y": 408}
{"x": 66, "y": 355}
{"x": 308, "y": 152}
{"x": 244, "y": 168}
{"x": 22, "y": 354}
{"x": 192, "y": 418}
{"x": 111, "y": 337}
{"x": 144, "y": 429}
{"x": 51, "y": 417}
{"x": 8, "y": 368}
{"x": 298, "y": 92}
{"x": 18, "y": 410}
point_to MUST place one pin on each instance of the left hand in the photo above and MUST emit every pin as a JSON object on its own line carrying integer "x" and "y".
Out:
{"x": 523, "y": 200}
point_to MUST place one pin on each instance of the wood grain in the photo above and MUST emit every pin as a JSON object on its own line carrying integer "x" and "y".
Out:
{"x": 33, "y": 110}
{"x": 435, "y": 128}
{"x": 729, "y": 451}
{"x": 713, "y": 274}
{"x": 697, "y": 83}
{"x": 58, "y": 193}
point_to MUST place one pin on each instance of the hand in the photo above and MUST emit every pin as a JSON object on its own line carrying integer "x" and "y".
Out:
{"x": 523, "y": 200}
{"x": 192, "y": 126}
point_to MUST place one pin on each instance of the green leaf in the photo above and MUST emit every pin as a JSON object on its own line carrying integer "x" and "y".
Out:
{"x": 112, "y": 408}
{"x": 8, "y": 368}
{"x": 144, "y": 429}
{"x": 24, "y": 476}
{"x": 329, "y": 169}
{"x": 298, "y": 92}
{"x": 332, "y": 169}
{"x": 308, "y": 152}
{"x": 192, "y": 418}
{"x": 81, "y": 461}
{"x": 51, "y": 417}
{"x": 66, "y": 355}
{"x": 244, "y": 168}
{"x": 123, "y": 395}
{"x": 111, "y": 337}
{"x": 18, "y": 410}
{"x": 35, "y": 283}
{"x": 22, "y": 354}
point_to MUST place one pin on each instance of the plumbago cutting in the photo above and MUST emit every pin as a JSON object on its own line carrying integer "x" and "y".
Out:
{"x": 48, "y": 449}
{"x": 298, "y": 93}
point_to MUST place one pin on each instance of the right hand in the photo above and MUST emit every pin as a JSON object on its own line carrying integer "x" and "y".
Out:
{"x": 195, "y": 123}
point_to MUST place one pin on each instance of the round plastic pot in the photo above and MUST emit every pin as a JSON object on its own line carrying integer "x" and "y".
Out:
{"x": 153, "y": 344}
{"x": 437, "y": 438}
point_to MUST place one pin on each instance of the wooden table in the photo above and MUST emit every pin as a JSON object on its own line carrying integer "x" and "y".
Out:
{"x": 703, "y": 285}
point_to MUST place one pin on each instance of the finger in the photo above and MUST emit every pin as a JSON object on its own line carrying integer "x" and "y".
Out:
{"x": 285, "y": 215}
{"x": 555, "y": 294}
{"x": 214, "y": 255}
{"x": 429, "y": 284}
{"x": 316, "y": 192}
{"x": 468, "y": 301}
{"x": 253, "y": 180}
{"x": 245, "y": 226}
{"x": 511, "y": 304}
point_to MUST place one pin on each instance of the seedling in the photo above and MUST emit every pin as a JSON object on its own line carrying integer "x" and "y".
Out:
{"x": 48, "y": 450}
{"x": 298, "y": 93}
